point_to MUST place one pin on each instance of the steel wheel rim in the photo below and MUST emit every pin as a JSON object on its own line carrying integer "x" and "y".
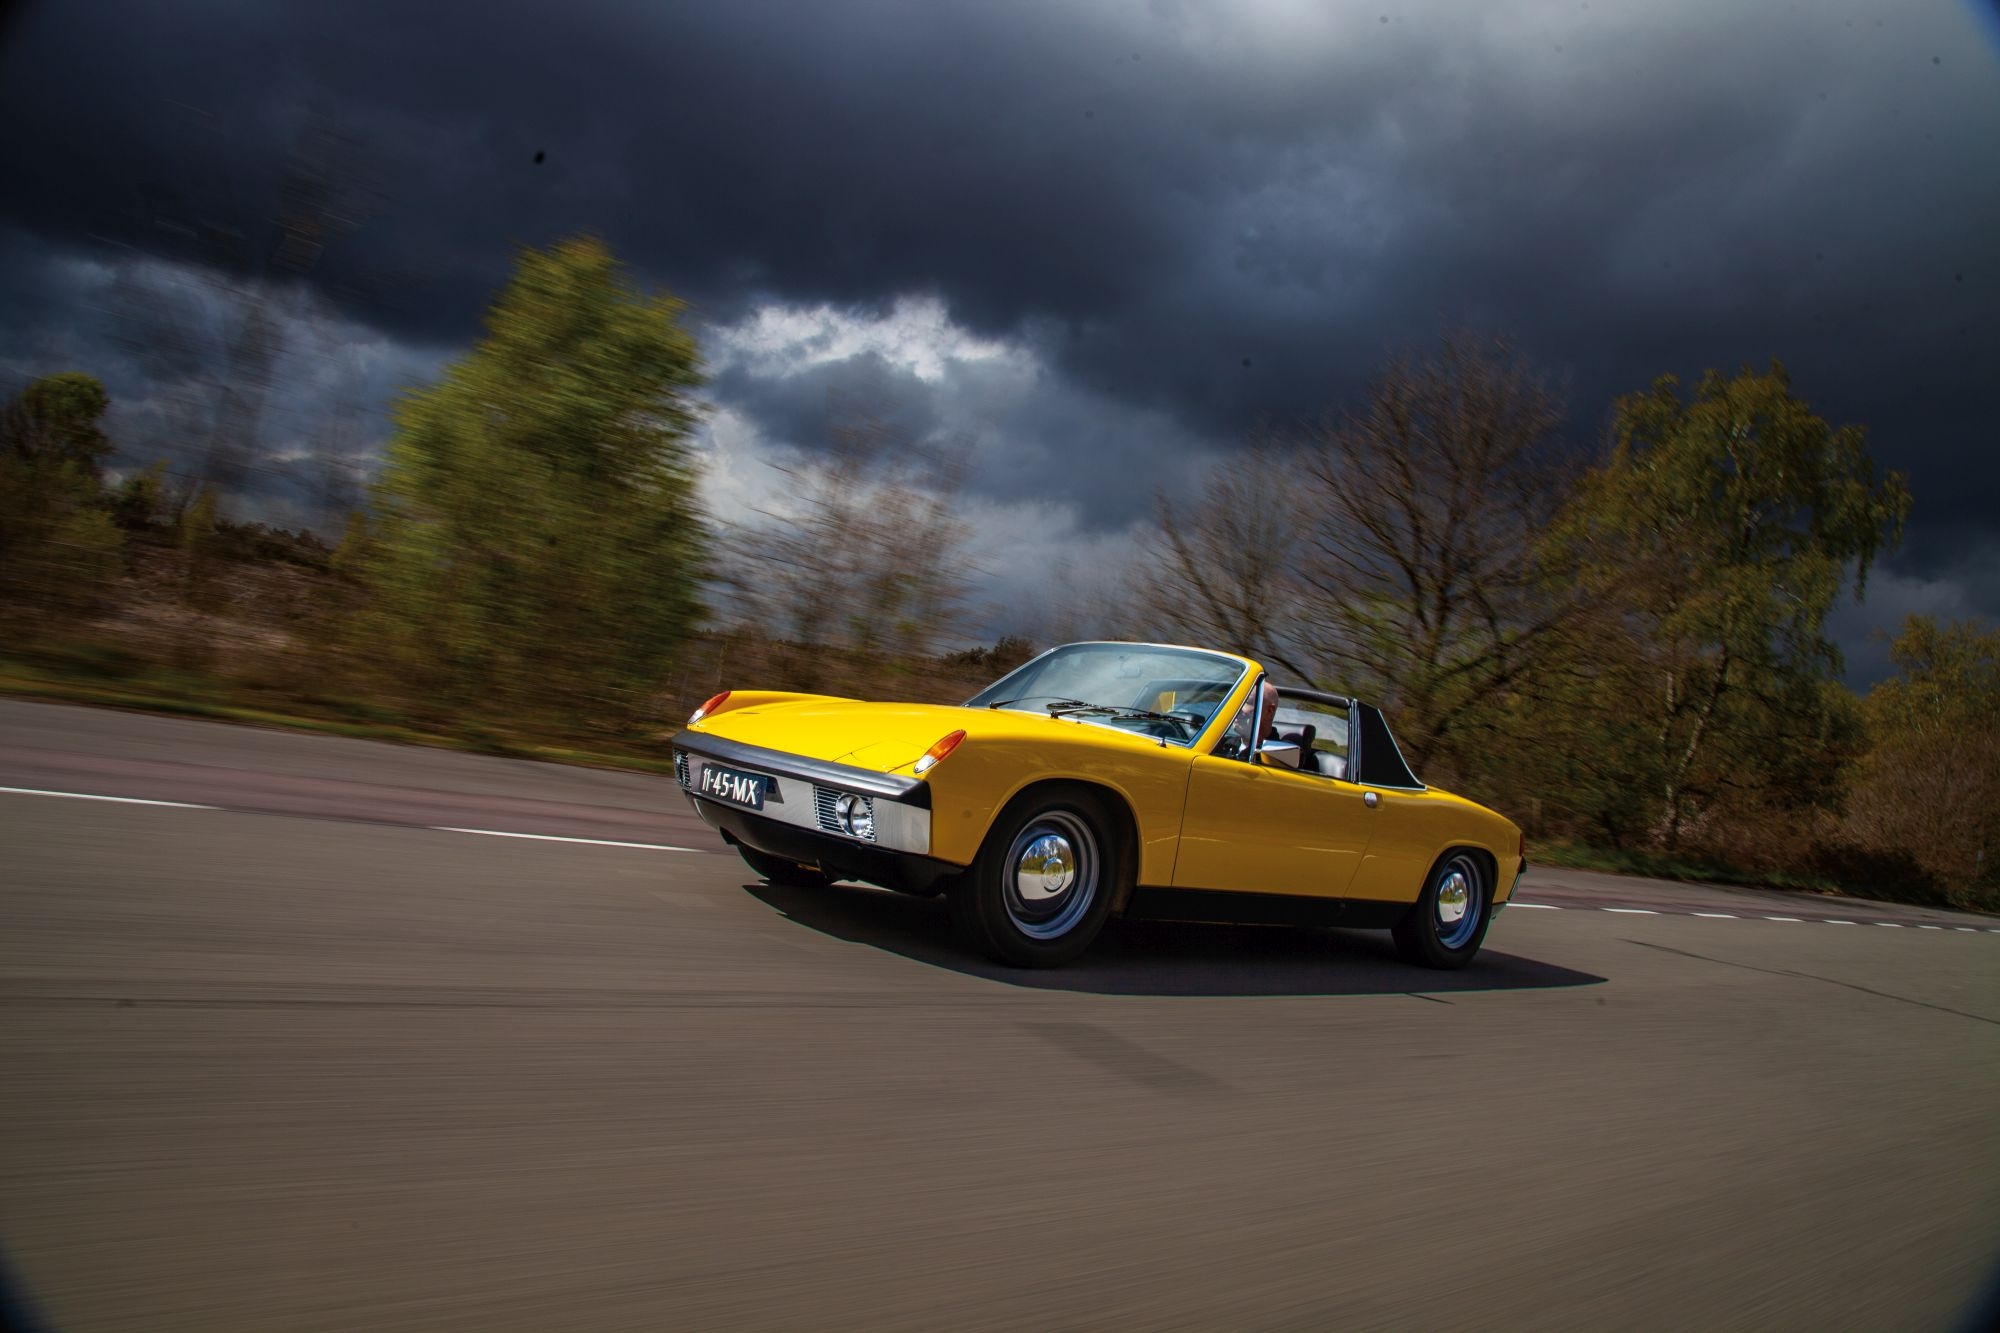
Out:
{"x": 1459, "y": 902}
{"x": 1050, "y": 875}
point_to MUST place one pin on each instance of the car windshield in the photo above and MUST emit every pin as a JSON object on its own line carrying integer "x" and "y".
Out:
{"x": 1168, "y": 693}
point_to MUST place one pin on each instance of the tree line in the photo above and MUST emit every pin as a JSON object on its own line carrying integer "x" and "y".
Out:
{"x": 1624, "y": 650}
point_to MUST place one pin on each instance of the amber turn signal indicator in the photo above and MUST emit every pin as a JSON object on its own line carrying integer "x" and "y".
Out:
{"x": 932, "y": 757}
{"x": 708, "y": 708}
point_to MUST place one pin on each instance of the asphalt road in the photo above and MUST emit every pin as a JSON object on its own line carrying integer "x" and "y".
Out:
{"x": 291, "y": 1053}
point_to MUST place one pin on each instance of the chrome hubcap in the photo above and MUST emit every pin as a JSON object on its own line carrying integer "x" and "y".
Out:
{"x": 1460, "y": 899}
{"x": 1452, "y": 898}
{"x": 1052, "y": 873}
{"x": 1047, "y": 868}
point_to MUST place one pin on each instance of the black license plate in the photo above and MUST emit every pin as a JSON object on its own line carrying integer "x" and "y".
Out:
{"x": 733, "y": 788}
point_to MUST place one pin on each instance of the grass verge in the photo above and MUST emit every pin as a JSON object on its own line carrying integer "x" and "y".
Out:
{"x": 187, "y": 694}
{"x": 1652, "y": 865}
{"x": 1655, "y": 866}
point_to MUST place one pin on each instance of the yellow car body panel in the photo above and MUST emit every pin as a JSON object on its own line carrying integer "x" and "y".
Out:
{"x": 1256, "y": 828}
{"x": 1201, "y": 822}
{"x": 1003, "y": 753}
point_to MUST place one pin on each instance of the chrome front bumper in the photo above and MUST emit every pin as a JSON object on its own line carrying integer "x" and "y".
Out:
{"x": 801, "y": 792}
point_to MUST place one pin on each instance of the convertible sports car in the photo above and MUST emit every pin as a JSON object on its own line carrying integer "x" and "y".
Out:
{"x": 1100, "y": 780}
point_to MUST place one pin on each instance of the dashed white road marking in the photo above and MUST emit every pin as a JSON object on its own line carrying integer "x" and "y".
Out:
{"x": 1735, "y": 916}
{"x": 121, "y": 800}
{"x": 435, "y": 828}
{"x": 550, "y": 837}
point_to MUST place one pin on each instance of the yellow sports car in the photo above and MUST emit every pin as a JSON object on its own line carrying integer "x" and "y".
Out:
{"x": 1100, "y": 780}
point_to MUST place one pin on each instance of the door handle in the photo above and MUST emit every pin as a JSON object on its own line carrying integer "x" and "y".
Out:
{"x": 1370, "y": 799}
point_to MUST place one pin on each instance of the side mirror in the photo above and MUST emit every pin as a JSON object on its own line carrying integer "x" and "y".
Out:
{"x": 1280, "y": 753}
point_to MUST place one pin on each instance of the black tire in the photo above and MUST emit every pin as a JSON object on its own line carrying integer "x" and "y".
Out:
{"x": 1041, "y": 887}
{"x": 1435, "y": 933}
{"x": 777, "y": 870}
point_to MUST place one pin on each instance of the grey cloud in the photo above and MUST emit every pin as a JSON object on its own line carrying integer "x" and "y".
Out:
{"x": 1208, "y": 212}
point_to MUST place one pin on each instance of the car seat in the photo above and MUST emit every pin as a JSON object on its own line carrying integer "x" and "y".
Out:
{"x": 1304, "y": 738}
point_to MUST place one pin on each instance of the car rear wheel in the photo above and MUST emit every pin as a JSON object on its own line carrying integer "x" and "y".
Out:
{"x": 780, "y": 871}
{"x": 1448, "y": 921}
{"x": 1040, "y": 889}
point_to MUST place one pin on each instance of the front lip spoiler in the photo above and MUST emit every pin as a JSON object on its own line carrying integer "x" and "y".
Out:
{"x": 883, "y": 786}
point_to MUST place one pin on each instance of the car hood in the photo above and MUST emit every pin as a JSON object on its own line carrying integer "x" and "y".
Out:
{"x": 881, "y": 737}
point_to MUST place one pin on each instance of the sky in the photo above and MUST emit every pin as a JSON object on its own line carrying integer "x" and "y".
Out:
{"x": 1092, "y": 246}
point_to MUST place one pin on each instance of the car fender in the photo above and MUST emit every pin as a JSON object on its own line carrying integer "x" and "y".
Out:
{"x": 969, "y": 790}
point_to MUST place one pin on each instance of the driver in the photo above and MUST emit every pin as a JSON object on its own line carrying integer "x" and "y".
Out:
{"x": 1267, "y": 714}
{"x": 1258, "y": 718}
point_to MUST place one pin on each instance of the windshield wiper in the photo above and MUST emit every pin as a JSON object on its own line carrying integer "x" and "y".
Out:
{"x": 1059, "y": 702}
{"x": 1122, "y": 711}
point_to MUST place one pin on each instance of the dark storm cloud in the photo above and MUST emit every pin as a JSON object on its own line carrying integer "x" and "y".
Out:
{"x": 1208, "y": 211}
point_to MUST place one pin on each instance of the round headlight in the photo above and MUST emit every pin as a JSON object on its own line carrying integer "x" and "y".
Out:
{"x": 856, "y": 814}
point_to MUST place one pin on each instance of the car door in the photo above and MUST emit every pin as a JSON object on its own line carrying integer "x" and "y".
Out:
{"x": 1257, "y": 828}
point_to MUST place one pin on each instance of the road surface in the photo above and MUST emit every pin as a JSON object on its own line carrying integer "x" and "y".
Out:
{"x": 287, "y": 1046}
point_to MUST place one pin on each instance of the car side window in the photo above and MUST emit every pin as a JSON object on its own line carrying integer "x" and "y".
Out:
{"x": 1320, "y": 732}
{"x": 1234, "y": 742}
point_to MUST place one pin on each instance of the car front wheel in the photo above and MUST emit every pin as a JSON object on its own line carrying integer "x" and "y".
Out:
{"x": 1040, "y": 889}
{"x": 1446, "y": 925}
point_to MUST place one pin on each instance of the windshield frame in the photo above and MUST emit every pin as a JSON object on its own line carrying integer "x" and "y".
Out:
{"x": 1221, "y": 714}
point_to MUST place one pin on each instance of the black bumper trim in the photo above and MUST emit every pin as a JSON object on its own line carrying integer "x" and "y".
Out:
{"x": 907, "y": 871}
{"x": 904, "y": 791}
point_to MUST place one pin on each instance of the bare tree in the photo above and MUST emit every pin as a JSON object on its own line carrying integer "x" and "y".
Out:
{"x": 1224, "y": 569}
{"x": 1430, "y": 498}
{"x": 214, "y": 335}
{"x": 867, "y": 560}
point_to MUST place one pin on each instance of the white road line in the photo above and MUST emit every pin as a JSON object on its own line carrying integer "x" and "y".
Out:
{"x": 1831, "y": 922}
{"x": 550, "y": 837}
{"x": 437, "y": 828}
{"x": 1893, "y": 925}
{"x": 1544, "y": 907}
{"x": 1970, "y": 930}
{"x": 1782, "y": 918}
{"x": 121, "y": 800}
{"x": 1632, "y": 911}
{"x": 1924, "y": 927}
{"x": 1718, "y": 916}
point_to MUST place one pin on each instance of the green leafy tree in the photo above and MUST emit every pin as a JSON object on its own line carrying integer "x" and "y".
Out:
{"x": 1930, "y": 785}
{"x": 1728, "y": 522}
{"x": 538, "y": 539}
{"x": 140, "y": 498}
{"x": 350, "y": 558}
{"x": 55, "y": 421}
{"x": 59, "y": 550}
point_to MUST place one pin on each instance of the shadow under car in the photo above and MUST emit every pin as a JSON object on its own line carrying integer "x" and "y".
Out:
{"x": 1160, "y": 957}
